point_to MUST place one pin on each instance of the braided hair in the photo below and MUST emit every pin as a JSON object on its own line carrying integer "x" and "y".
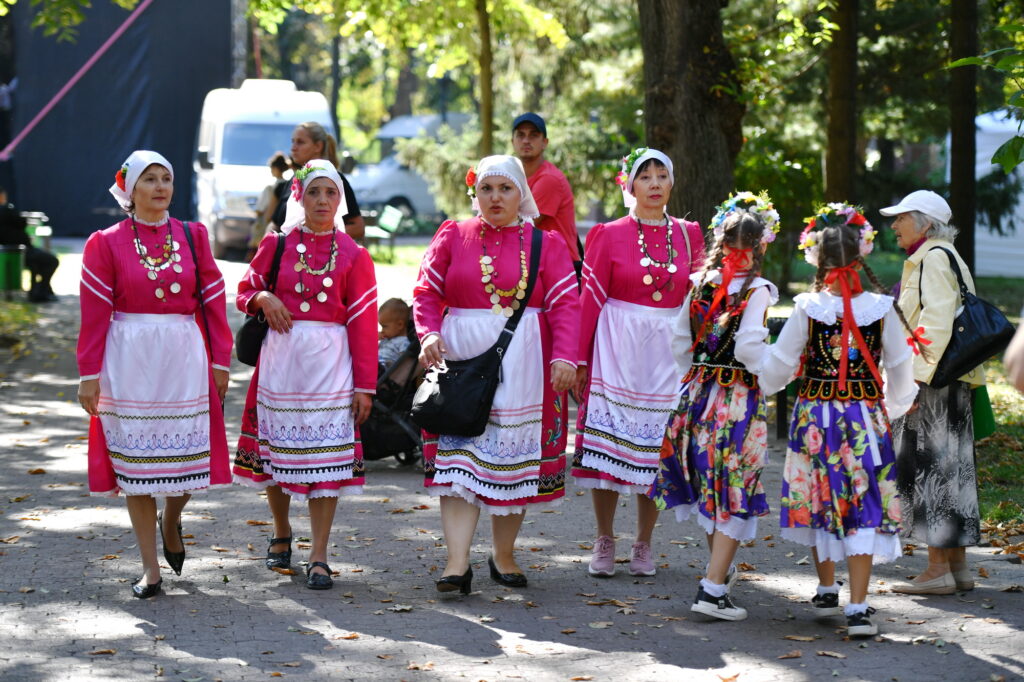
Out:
{"x": 741, "y": 229}
{"x": 839, "y": 247}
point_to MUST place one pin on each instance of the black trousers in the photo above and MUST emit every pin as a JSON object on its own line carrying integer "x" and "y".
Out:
{"x": 41, "y": 264}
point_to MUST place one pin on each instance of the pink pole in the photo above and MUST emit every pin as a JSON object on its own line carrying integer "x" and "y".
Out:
{"x": 6, "y": 153}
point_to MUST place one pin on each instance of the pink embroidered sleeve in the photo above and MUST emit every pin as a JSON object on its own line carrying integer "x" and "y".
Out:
{"x": 428, "y": 298}
{"x": 214, "y": 298}
{"x": 361, "y": 302}
{"x": 596, "y": 280}
{"x": 96, "y": 298}
{"x": 561, "y": 298}
{"x": 255, "y": 277}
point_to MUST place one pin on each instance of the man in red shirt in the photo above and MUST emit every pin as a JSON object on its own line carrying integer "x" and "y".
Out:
{"x": 548, "y": 184}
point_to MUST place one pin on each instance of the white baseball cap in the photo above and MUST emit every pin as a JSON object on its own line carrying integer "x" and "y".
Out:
{"x": 924, "y": 201}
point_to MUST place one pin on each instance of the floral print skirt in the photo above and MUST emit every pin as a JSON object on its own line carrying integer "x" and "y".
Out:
{"x": 840, "y": 473}
{"x": 712, "y": 456}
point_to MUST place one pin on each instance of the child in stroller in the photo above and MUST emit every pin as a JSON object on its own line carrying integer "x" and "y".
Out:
{"x": 388, "y": 432}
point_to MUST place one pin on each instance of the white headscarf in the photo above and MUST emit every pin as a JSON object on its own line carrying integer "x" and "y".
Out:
{"x": 512, "y": 168}
{"x": 132, "y": 168}
{"x": 295, "y": 214}
{"x": 627, "y": 191}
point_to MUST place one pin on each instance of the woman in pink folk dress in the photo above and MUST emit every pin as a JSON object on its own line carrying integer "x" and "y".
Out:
{"x": 478, "y": 270}
{"x": 636, "y": 273}
{"x": 153, "y": 386}
{"x": 317, "y": 369}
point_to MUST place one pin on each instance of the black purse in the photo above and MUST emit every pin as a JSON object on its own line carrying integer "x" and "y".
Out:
{"x": 980, "y": 331}
{"x": 457, "y": 401}
{"x": 249, "y": 338}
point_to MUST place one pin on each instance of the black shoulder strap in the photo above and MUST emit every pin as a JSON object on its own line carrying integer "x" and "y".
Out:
{"x": 510, "y": 327}
{"x": 276, "y": 265}
{"x": 956, "y": 268}
{"x": 199, "y": 287}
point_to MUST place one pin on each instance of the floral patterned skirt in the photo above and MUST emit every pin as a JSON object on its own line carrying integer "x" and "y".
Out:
{"x": 712, "y": 456}
{"x": 840, "y": 477}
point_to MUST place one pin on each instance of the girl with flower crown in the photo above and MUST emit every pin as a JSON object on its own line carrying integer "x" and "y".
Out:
{"x": 317, "y": 369}
{"x": 839, "y": 480}
{"x": 716, "y": 443}
{"x": 153, "y": 387}
{"x": 636, "y": 273}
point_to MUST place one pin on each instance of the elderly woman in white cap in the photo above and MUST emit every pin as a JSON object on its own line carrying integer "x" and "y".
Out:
{"x": 934, "y": 443}
{"x": 478, "y": 269}
{"x": 317, "y": 369}
{"x": 636, "y": 274}
{"x": 152, "y": 386}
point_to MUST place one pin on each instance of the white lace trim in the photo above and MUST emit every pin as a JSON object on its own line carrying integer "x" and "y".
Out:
{"x": 714, "y": 276}
{"x": 456, "y": 490}
{"x": 344, "y": 491}
{"x": 605, "y": 484}
{"x": 114, "y": 492}
{"x": 741, "y": 530}
{"x": 825, "y": 307}
{"x": 159, "y": 223}
{"x": 883, "y": 547}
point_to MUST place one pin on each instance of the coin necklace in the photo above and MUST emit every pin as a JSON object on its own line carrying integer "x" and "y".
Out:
{"x": 304, "y": 266}
{"x": 488, "y": 276}
{"x": 648, "y": 261}
{"x": 155, "y": 265}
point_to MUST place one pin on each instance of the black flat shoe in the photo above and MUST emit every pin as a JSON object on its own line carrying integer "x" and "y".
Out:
{"x": 174, "y": 559}
{"x": 319, "y": 581}
{"x": 450, "y": 583}
{"x": 507, "y": 579}
{"x": 283, "y": 559}
{"x": 140, "y": 591}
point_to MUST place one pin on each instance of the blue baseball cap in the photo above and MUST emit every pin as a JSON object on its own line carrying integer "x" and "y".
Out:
{"x": 530, "y": 117}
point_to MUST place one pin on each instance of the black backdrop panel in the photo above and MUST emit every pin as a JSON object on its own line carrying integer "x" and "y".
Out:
{"x": 146, "y": 92}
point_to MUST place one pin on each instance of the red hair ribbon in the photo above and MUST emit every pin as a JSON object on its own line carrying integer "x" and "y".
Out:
{"x": 849, "y": 284}
{"x": 735, "y": 261}
{"x": 917, "y": 339}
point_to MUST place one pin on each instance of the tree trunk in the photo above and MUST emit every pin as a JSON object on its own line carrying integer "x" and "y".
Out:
{"x": 963, "y": 107}
{"x": 335, "y": 83}
{"x": 841, "y": 155}
{"x": 407, "y": 86}
{"x": 691, "y": 109}
{"x": 485, "y": 60}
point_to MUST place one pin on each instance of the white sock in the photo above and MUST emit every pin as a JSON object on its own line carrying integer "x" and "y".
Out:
{"x": 851, "y": 609}
{"x": 714, "y": 589}
{"x": 831, "y": 589}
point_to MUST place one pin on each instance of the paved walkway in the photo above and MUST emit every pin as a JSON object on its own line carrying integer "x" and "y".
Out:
{"x": 66, "y": 562}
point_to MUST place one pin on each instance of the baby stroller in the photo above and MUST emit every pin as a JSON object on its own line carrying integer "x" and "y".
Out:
{"x": 388, "y": 431}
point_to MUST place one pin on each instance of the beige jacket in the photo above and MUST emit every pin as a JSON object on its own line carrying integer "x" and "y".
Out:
{"x": 941, "y": 302}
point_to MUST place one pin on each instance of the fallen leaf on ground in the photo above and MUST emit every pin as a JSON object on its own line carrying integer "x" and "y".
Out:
{"x": 103, "y": 652}
{"x": 803, "y": 562}
{"x": 581, "y": 678}
{"x": 795, "y": 653}
{"x": 982, "y": 572}
{"x": 36, "y": 472}
{"x": 831, "y": 654}
{"x": 916, "y": 622}
{"x": 601, "y": 624}
{"x": 400, "y": 608}
{"x": 292, "y": 664}
{"x": 568, "y": 631}
{"x": 385, "y": 657}
{"x": 109, "y": 557}
{"x": 20, "y": 498}
{"x": 730, "y": 678}
{"x": 801, "y": 638}
{"x": 1011, "y": 588}
{"x": 11, "y": 540}
{"x": 26, "y": 590}
{"x": 744, "y": 566}
{"x": 215, "y": 548}
{"x": 351, "y": 635}
{"x": 254, "y": 522}
{"x": 276, "y": 674}
{"x": 284, "y": 571}
{"x": 429, "y": 665}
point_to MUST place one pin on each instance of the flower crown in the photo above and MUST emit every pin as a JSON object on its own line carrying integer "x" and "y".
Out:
{"x": 120, "y": 177}
{"x": 834, "y": 215}
{"x": 471, "y": 182}
{"x": 622, "y": 179}
{"x": 300, "y": 177}
{"x": 761, "y": 204}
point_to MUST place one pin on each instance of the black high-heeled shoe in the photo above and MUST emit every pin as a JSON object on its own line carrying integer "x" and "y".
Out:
{"x": 174, "y": 559}
{"x": 463, "y": 583}
{"x": 146, "y": 591}
{"x": 507, "y": 579}
{"x": 277, "y": 560}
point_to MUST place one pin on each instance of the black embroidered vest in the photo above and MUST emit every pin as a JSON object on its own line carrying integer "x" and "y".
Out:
{"x": 715, "y": 354}
{"x": 821, "y": 363}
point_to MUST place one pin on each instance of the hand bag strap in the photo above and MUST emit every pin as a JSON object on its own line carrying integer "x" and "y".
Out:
{"x": 276, "y": 265}
{"x": 199, "y": 287}
{"x": 956, "y": 268}
{"x": 505, "y": 337}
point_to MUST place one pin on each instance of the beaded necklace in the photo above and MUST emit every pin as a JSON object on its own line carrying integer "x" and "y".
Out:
{"x": 488, "y": 275}
{"x": 169, "y": 258}
{"x": 647, "y": 260}
{"x": 304, "y": 266}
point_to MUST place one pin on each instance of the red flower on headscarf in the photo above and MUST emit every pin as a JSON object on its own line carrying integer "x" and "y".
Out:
{"x": 857, "y": 219}
{"x": 471, "y": 178}
{"x": 119, "y": 177}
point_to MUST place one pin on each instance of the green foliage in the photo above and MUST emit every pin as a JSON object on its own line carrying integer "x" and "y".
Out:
{"x": 444, "y": 163}
{"x": 60, "y": 17}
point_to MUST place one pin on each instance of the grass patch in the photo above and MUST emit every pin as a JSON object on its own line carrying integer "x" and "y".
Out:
{"x": 1000, "y": 457}
{"x": 15, "y": 320}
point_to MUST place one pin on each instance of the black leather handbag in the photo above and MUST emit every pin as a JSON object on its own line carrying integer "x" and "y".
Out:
{"x": 456, "y": 400}
{"x": 980, "y": 331}
{"x": 249, "y": 337}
